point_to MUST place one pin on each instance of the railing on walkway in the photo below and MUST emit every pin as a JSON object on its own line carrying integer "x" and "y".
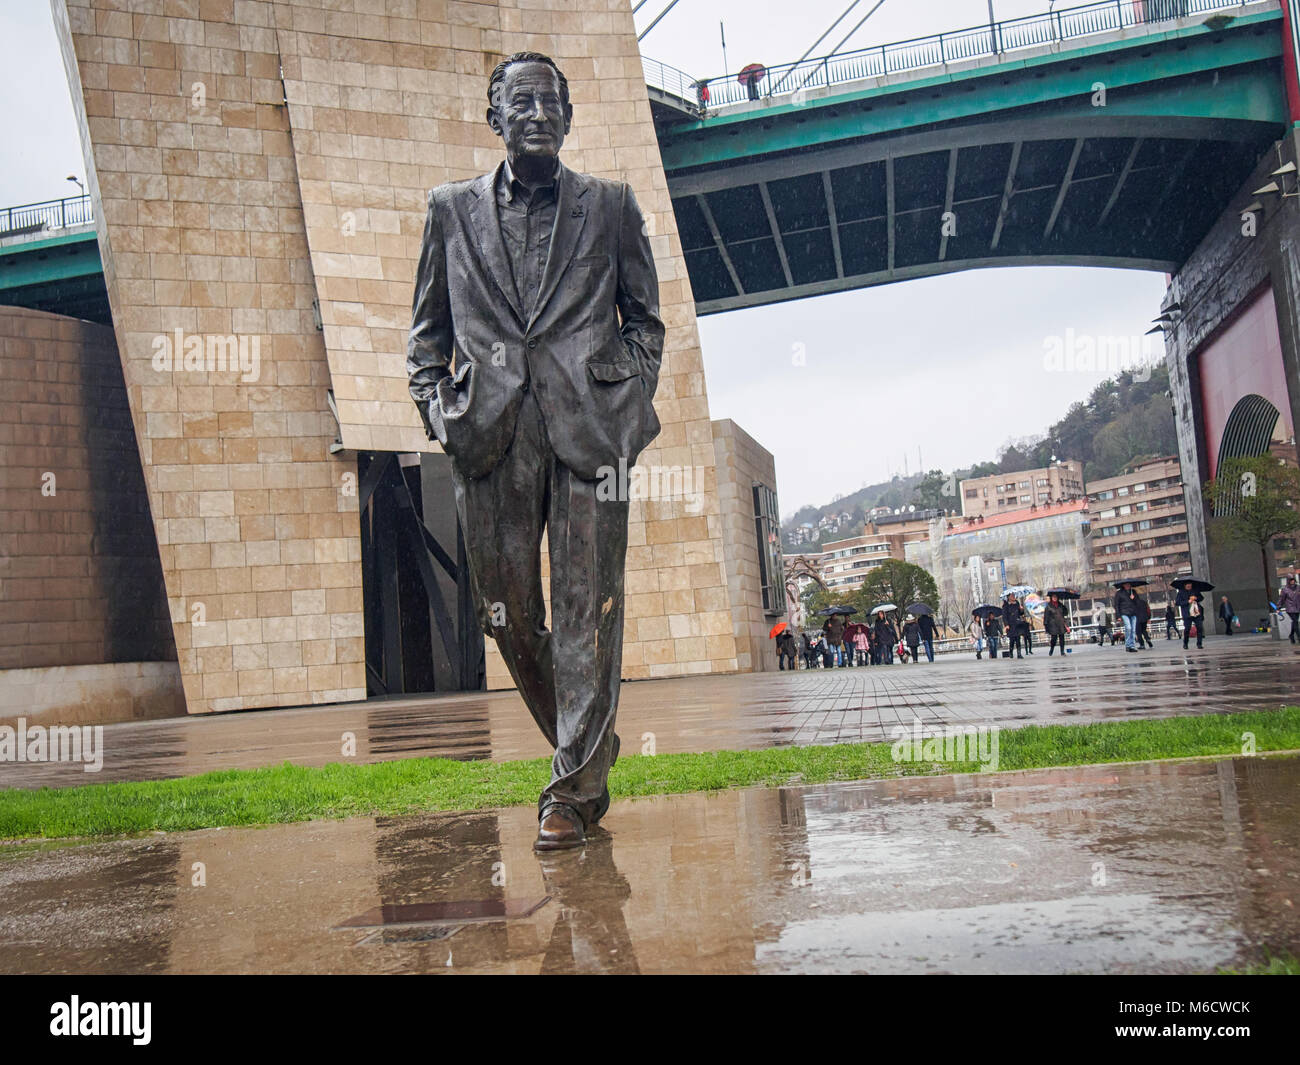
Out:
{"x": 990, "y": 39}
{"x": 46, "y": 216}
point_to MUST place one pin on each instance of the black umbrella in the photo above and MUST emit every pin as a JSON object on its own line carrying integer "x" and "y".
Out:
{"x": 831, "y": 611}
{"x": 918, "y": 609}
{"x": 1197, "y": 584}
{"x": 1136, "y": 582}
{"x": 1062, "y": 593}
{"x": 986, "y": 609}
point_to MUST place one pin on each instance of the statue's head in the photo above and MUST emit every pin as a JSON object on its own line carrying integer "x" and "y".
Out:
{"x": 528, "y": 106}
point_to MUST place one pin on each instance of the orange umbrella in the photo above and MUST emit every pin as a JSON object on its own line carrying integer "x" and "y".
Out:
{"x": 777, "y": 629}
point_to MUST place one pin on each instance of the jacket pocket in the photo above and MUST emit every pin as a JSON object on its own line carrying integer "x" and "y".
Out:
{"x": 613, "y": 371}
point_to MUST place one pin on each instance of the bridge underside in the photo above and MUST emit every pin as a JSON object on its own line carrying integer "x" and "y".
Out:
{"x": 1136, "y": 193}
{"x": 1022, "y": 162}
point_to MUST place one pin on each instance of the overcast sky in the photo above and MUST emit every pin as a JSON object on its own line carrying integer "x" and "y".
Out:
{"x": 954, "y": 365}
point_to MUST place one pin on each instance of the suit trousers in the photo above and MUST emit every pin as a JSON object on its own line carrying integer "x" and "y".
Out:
{"x": 569, "y": 675}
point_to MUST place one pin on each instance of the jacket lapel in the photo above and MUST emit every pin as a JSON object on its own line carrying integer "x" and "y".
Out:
{"x": 570, "y": 216}
{"x": 487, "y": 224}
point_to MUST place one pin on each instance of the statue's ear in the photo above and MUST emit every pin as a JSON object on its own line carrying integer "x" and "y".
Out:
{"x": 494, "y": 120}
{"x": 568, "y": 118}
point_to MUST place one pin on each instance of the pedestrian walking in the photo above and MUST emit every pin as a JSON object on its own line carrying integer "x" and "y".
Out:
{"x": 1054, "y": 624}
{"x": 888, "y": 637}
{"x": 806, "y": 646}
{"x": 1171, "y": 622}
{"x": 925, "y": 623}
{"x": 1013, "y": 616}
{"x": 1144, "y": 620}
{"x": 1126, "y": 609}
{"x": 1103, "y": 628}
{"x": 1228, "y": 615}
{"x": 1289, "y": 603}
{"x": 1188, "y": 602}
{"x": 976, "y": 630}
{"x": 861, "y": 644}
{"x": 786, "y": 649}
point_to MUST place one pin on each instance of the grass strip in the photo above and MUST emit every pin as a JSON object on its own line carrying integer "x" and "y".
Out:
{"x": 288, "y": 793}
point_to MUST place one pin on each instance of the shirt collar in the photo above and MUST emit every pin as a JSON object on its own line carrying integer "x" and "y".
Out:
{"x": 512, "y": 184}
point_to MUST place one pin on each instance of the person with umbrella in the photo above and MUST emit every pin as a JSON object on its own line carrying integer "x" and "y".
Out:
{"x": 912, "y": 637}
{"x": 1054, "y": 623}
{"x": 786, "y": 648}
{"x": 925, "y": 626}
{"x": 750, "y": 76}
{"x": 1126, "y": 609}
{"x": 887, "y": 635}
{"x": 806, "y": 646}
{"x": 1013, "y": 617}
{"x": 1189, "y": 605}
{"x": 1289, "y": 603}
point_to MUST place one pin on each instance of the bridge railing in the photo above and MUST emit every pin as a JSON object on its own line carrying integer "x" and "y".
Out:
{"x": 990, "y": 39}
{"x": 48, "y": 215}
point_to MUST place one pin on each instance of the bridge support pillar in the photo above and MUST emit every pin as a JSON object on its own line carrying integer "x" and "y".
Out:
{"x": 1234, "y": 335}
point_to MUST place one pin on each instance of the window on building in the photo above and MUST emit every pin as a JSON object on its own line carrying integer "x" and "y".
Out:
{"x": 972, "y": 493}
{"x": 1108, "y": 494}
{"x": 1139, "y": 488}
{"x": 1107, "y": 513}
{"x": 1121, "y": 491}
{"x": 771, "y": 568}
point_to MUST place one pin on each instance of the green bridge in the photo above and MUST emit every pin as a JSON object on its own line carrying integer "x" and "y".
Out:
{"x": 1109, "y": 134}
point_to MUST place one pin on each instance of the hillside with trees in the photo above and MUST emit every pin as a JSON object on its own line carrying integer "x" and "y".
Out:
{"x": 1122, "y": 419}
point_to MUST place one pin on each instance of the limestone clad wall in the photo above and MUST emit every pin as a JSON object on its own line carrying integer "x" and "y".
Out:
{"x": 80, "y": 582}
{"x": 251, "y": 158}
{"x": 742, "y": 460}
{"x": 200, "y": 226}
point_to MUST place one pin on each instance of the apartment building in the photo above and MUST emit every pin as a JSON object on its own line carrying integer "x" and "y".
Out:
{"x": 1139, "y": 523}
{"x": 1000, "y": 493}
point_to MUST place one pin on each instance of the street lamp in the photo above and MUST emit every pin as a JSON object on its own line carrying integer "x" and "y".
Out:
{"x": 76, "y": 181}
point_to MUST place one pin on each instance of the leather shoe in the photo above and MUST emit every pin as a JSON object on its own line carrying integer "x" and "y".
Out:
{"x": 560, "y": 829}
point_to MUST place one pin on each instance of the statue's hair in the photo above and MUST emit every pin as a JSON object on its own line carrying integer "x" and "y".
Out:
{"x": 499, "y": 73}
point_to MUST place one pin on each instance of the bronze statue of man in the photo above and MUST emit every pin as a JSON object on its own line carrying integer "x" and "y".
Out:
{"x": 539, "y": 283}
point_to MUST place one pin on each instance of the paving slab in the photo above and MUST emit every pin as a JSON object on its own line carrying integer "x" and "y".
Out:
{"x": 725, "y": 712}
{"x": 1146, "y": 868}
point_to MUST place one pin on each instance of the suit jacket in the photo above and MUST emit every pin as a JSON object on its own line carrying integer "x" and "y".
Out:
{"x": 590, "y": 348}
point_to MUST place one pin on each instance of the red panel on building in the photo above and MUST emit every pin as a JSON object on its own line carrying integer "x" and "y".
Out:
{"x": 1244, "y": 357}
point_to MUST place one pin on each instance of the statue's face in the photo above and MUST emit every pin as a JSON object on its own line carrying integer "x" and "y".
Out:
{"x": 529, "y": 113}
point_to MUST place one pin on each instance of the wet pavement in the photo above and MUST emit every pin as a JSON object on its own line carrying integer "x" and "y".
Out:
{"x": 1164, "y": 867}
{"x": 727, "y": 712}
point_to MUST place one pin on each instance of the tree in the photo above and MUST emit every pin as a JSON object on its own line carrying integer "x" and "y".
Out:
{"x": 900, "y": 583}
{"x": 1253, "y": 500}
{"x": 928, "y": 494}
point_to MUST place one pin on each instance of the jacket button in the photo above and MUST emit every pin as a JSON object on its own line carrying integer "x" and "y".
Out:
{"x": 525, "y": 386}
{"x": 532, "y": 343}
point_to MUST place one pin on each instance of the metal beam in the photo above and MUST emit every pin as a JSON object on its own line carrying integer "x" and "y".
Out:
{"x": 907, "y": 273}
{"x": 1123, "y": 177}
{"x": 835, "y": 225}
{"x": 889, "y": 208}
{"x": 1065, "y": 188}
{"x": 947, "y": 202}
{"x": 718, "y": 243}
{"x": 1006, "y": 195}
{"x": 776, "y": 232}
{"x": 1007, "y": 132}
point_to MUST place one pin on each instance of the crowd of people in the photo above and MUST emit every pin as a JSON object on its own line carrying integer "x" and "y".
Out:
{"x": 1008, "y": 632}
{"x": 842, "y": 643}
